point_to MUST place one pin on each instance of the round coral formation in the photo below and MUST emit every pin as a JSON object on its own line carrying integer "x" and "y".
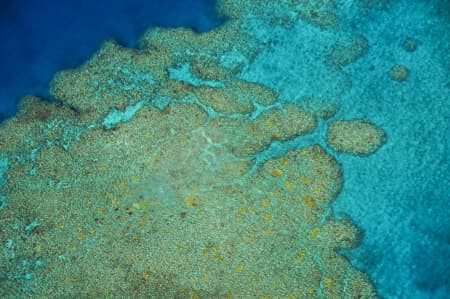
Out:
{"x": 409, "y": 44}
{"x": 399, "y": 73}
{"x": 347, "y": 51}
{"x": 356, "y": 137}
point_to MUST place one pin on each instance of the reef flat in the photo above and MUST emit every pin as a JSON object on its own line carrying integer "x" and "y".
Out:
{"x": 154, "y": 174}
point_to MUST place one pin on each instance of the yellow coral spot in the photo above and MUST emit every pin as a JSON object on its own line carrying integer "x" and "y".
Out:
{"x": 236, "y": 168}
{"x": 300, "y": 256}
{"x": 218, "y": 256}
{"x": 250, "y": 149}
{"x": 265, "y": 202}
{"x": 303, "y": 152}
{"x": 80, "y": 236}
{"x": 136, "y": 206}
{"x": 230, "y": 165}
{"x": 276, "y": 136}
{"x": 144, "y": 205}
{"x": 190, "y": 201}
{"x": 239, "y": 268}
{"x": 247, "y": 239}
{"x": 288, "y": 185}
{"x": 243, "y": 163}
{"x": 313, "y": 219}
{"x": 145, "y": 276}
{"x": 239, "y": 213}
{"x": 328, "y": 281}
{"x": 318, "y": 190}
{"x": 135, "y": 177}
{"x": 276, "y": 172}
{"x": 256, "y": 280}
{"x": 267, "y": 217}
{"x": 37, "y": 247}
{"x": 277, "y": 283}
{"x": 283, "y": 161}
{"x": 265, "y": 297}
{"x": 310, "y": 290}
{"x": 89, "y": 271}
{"x": 305, "y": 180}
{"x": 228, "y": 295}
{"x": 205, "y": 277}
{"x": 123, "y": 186}
{"x": 112, "y": 199}
{"x": 308, "y": 201}
{"x": 313, "y": 233}
{"x": 205, "y": 251}
{"x": 194, "y": 295}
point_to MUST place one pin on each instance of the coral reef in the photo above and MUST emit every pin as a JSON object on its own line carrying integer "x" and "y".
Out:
{"x": 319, "y": 13}
{"x": 409, "y": 44}
{"x": 357, "y": 137}
{"x": 346, "y": 51}
{"x": 399, "y": 73}
{"x": 174, "y": 200}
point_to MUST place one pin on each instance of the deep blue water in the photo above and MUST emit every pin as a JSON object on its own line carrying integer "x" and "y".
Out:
{"x": 40, "y": 37}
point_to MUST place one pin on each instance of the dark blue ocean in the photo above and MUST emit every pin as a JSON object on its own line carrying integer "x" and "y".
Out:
{"x": 42, "y": 37}
{"x": 400, "y": 197}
